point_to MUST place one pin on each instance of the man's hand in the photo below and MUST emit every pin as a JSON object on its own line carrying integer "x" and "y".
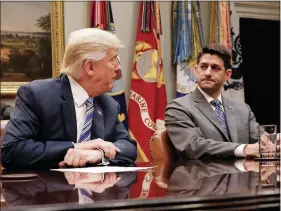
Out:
{"x": 93, "y": 182}
{"x": 266, "y": 171}
{"x": 251, "y": 165}
{"x": 251, "y": 150}
{"x": 108, "y": 148}
{"x": 79, "y": 158}
{"x": 267, "y": 147}
{"x": 79, "y": 177}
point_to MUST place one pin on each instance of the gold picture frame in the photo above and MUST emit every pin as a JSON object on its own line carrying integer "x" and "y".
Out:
{"x": 9, "y": 89}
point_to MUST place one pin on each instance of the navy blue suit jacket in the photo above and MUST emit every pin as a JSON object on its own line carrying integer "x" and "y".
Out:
{"x": 43, "y": 126}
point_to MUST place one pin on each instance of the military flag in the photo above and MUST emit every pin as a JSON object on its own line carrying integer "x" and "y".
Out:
{"x": 224, "y": 29}
{"x": 187, "y": 42}
{"x": 148, "y": 91}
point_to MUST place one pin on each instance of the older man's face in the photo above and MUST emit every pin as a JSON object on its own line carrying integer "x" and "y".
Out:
{"x": 107, "y": 70}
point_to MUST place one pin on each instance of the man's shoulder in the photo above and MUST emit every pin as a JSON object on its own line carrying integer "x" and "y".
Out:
{"x": 236, "y": 104}
{"x": 42, "y": 84}
{"x": 182, "y": 101}
{"x": 107, "y": 101}
{"x": 107, "y": 98}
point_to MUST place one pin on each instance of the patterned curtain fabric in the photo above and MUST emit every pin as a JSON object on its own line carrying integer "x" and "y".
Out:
{"x": 224, "y": 28}
{"x": 187, "y": 42}
{"x": 101, "y": 15}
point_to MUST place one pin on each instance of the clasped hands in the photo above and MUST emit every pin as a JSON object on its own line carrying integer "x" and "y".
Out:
{"x": 94, "y": 182}
{"x": 89, "y": 153}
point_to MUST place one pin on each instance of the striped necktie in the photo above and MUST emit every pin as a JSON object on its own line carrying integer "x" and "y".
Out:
{"x": 220, "y": 114}
{"x": 86, "y": 131}
{"x": 85, "y": 196}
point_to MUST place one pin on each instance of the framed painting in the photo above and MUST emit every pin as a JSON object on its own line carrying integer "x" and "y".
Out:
{"x": 32, "y": 42}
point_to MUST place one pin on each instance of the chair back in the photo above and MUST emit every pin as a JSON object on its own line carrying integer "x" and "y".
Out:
{"x": 163, "y": 155}
{"x": 161, "y": 147}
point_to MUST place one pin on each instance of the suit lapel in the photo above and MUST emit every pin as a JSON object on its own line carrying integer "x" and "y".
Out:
{"x": 204, "y": 106}
{"x": 229, "y": 111}
{"x": 68, "y": 109}
{"x": 98, "y": 121}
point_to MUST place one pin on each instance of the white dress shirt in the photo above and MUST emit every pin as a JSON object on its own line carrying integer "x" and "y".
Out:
{"x": 79, "y": 96}
{"x": 238, "y": 150}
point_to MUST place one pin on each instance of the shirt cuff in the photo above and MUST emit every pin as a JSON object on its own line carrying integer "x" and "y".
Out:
{"x": 73, "y": 145}
{"x": 239, "y": 151}
{"x": 104, "y": 161}
{"x": 239, "y": 164}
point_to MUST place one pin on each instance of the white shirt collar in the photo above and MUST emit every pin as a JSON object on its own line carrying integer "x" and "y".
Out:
{"x": 208, "y": 97}
{"x": 79, "y": 93}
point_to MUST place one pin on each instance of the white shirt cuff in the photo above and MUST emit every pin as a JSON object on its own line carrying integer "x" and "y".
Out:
{"x": 73, "y": 145}
{"x": 104, "y": 160}
{"x": 239, "y": 164}
{"x": 239, "y": 151}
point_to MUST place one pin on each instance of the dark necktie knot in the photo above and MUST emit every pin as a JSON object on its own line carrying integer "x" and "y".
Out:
{"x": 216, "y": 103}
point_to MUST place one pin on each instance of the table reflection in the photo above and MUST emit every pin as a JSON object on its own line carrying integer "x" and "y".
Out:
{"x": 56, "y": 187}
{"x": 199, "y": 177}
{"x": 167, "y": 182}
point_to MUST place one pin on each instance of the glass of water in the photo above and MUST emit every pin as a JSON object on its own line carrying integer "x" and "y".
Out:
{"x": 267, "y": 141}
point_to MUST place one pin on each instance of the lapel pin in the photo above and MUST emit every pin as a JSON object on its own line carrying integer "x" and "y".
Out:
{"x": 229, "y": 106}
{"x": 99, "y": 112}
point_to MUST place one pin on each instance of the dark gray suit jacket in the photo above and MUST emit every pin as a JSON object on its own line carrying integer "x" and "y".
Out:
{"x": 43, "y": 126}
{"x": 195, "y": 130}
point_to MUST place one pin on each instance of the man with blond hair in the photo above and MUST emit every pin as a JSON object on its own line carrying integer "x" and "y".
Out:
{"x": 69, "y": 120}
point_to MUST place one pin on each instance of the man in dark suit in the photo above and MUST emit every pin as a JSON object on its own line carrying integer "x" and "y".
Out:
{"x": 69, "y": 120}
{"x": 206, "y": 122}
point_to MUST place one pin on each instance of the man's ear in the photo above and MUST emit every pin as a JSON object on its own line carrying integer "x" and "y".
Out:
{"x": 228, "y": 74}
{"x": 89, "y": 67}
{"x": 196, "y": 68}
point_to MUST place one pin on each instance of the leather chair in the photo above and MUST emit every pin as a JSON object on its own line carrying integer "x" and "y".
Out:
{"x": 163, "y": 155}
{"x": 3, "y": 125}
{"x": 6, "y": 111}
{"x": 161, "y": 147}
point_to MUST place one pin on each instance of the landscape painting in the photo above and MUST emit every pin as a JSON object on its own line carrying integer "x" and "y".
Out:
{"x": 26, "y": 42}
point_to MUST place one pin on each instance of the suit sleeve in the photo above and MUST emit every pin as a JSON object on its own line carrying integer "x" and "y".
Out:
{"x": 21, "y": 147}
{"x": 188, "y": 139}
{"x": 254, "y": 127}
{"x": 128, "y": 147}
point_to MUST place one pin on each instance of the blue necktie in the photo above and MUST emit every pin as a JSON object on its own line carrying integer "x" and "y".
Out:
{"x": 86, "y": 196}
{"x": 220, "y": 114}
{"x": 86, "y": 131}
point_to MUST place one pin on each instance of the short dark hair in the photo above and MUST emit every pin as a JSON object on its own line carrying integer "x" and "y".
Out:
{"x": 219, "y": 50}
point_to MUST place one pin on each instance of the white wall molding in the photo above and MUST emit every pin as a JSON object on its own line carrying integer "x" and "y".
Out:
{"x": 258, "y": 10}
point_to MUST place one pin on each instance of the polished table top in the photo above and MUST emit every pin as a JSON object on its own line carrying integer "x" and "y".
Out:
{"x": 186, "y": 184}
